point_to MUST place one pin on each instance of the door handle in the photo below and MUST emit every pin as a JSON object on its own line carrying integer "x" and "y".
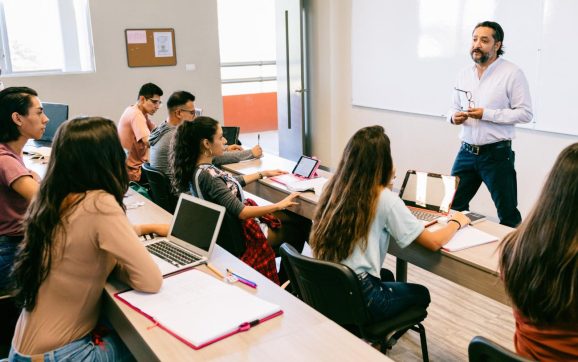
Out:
{"x": 300, "y": 90}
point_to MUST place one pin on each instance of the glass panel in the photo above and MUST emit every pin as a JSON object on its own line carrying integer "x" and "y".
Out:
{"x": 246, "y": 30}
{"x": 54, "y": 37}
{"x": 249, "y": 71}
{"x": 35, "y": 44}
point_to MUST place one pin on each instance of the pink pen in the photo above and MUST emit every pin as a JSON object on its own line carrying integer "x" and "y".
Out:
{"x": 243, "y": 280}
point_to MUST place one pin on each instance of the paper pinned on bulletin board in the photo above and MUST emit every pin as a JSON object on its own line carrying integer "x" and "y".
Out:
{"x": 150, "y": 47}
{"x": 136, "y": 37}
{"x": 163, "y": 44}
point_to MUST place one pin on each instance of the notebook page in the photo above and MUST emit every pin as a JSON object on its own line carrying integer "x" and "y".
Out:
{"x": 199, "y": 308}
{"x": 467, "y": 238}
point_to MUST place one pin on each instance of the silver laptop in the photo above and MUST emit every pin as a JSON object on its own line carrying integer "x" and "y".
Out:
{"x": 192, "y": 235}
{"x": 429, "y": 196}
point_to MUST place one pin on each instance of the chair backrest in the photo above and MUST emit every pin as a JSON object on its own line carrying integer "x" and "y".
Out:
{"x": 331, "y": 288}
{"x": 482, "y": 349}
{"x": 161, "y": 190}
{"x": 230, "y": 237}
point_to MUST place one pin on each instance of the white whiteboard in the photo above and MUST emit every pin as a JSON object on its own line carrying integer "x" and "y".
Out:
{"x": 406, "y": 54}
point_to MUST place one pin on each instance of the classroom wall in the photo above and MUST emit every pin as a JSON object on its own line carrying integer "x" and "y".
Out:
{"x": 253, "y": 112}
{"x": 114, "y": 85}
{"x": 418, "y": 142}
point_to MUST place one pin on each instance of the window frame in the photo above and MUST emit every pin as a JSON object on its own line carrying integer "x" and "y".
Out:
{"x": 72, "y": 57}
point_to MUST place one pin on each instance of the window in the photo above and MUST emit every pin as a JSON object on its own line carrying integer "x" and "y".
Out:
{"x": 45, "y": 36}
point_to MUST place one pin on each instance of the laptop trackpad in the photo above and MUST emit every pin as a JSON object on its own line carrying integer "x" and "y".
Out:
{"x": 164, "y": 266}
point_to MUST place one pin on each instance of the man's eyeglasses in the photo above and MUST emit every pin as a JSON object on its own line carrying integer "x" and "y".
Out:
{"x": 191, "y": 112}
{"x": 156, "y": 102}
{"x": 471, "y": 103}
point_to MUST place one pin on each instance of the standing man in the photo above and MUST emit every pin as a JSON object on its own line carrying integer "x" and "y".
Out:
{"x": 181, "y": 109}
{"x": 135, "y": 126}
{"x": 490, "y": 97}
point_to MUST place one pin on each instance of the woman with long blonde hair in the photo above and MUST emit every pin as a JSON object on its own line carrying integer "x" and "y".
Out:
{"x": 358, "y": 214}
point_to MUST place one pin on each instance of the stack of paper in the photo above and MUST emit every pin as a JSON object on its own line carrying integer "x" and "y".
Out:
{"x": 467, "y": 238}
{"x": 315, "y": 184}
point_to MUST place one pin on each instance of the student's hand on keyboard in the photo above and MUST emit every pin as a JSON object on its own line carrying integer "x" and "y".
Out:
{"x": 288, "y": 201}
{"x": 159, "y": 229}
{"x": 461, "y": 218}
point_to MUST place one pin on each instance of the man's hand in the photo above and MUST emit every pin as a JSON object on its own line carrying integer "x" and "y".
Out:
{"x": 234, "y": 148}
{"x": 459, "y": 118}
{"x": 257, "y": 151}
{"x": 476, "y": 113}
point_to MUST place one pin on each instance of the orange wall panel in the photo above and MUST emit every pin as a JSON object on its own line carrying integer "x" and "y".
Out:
{"x": 252, "y": 112}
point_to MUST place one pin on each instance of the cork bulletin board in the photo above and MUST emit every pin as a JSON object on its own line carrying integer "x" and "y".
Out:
{"x": 150, "y": 47}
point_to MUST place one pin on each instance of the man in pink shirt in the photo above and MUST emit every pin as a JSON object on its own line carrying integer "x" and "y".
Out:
{"x": 135, "y": 126}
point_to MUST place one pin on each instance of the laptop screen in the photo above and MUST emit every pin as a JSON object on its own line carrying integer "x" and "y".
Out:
{"x": 231, "y": 134}
{"x": 428, "y": 190}
{"x": 57, "y": 114}
{"x": 195, "y": 223}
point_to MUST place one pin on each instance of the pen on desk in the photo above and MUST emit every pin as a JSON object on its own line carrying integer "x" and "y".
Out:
{"x": 247, "y": 283}
{"x": 215, "y": 270}
{"x": 243, "y": 280}
{"x": 248, "y": 325}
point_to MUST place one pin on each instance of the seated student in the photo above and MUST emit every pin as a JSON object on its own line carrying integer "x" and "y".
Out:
{"x": 21, "y": 118}
{"x": 181, "y": 108}
{"x": 539, "y": 265}
{"x": 358, "y": 214}
{"x": 135, "y": 126}
{"x": 196, "y": 144}
{"x": 76, "y": 234}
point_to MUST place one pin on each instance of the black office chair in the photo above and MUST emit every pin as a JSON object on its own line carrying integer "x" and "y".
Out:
{"x": 160, "y": 186}
{"x": 230, "y": 236}
{"x": 333, "y": 289}
{"x": 9, "y": 314}
{"x": 482, "y": 349}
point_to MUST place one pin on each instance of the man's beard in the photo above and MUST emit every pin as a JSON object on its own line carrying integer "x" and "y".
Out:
{"x": 484, "y": 57}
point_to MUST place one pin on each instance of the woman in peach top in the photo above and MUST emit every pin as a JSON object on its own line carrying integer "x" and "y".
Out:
{"x": 76, "y": 235}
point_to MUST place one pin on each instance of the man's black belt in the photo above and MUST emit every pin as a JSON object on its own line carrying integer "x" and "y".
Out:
{"x": 478, "y": 150}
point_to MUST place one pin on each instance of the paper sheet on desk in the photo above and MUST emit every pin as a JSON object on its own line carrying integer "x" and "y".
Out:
{"x": 468, "y": 237}
{"x": 199, "y": 308}
{"x": 43, "y": 152}
{"x": 315, "y": 184}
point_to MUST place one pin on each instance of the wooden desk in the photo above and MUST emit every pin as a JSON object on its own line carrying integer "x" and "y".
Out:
{"x": 474, "y": 268}
{"x": 301, "y": 333}
{"x": 274, "y": 191}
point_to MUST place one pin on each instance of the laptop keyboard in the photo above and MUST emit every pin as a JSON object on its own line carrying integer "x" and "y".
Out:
{"x": 424, "y": 215}
{"x": 171, "y": 253}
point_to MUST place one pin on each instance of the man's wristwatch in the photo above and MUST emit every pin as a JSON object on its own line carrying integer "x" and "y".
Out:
{"x": 260, "y": 176}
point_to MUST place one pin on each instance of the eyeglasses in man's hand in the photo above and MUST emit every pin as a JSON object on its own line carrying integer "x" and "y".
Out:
{"x": 471, "y": 103}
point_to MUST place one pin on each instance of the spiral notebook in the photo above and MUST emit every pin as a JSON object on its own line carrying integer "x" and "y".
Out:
{"x": 199, "y": 309}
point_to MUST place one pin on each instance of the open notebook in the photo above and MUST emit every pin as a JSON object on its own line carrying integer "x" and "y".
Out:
{"x": 199, "y": 310}
{"x": 468, "y": 237}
